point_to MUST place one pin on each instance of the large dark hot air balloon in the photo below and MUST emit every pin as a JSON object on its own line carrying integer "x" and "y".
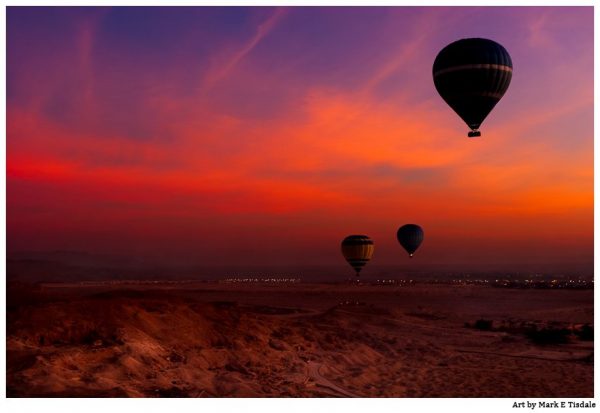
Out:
{"x": 471, "y": 75}
{"x": 358, "y": 250}
{"x": 410, "y": 236}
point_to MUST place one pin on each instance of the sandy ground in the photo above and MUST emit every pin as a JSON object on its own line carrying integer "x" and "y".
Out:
{"x": 216, "y": 340}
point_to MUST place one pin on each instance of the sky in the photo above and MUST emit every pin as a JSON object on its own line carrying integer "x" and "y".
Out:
{"x": 264, "y": 136}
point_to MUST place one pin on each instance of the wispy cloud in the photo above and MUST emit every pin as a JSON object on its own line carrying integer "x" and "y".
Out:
{"x": 421, "y": 33}
{"x": 539, "y": 35}
{"x": 223, "y": 70}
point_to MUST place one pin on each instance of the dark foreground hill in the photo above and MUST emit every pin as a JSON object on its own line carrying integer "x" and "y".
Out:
{"x": 215, "y": 340}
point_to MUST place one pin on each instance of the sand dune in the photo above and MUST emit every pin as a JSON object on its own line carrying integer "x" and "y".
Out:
{"x": 293, "y": 341}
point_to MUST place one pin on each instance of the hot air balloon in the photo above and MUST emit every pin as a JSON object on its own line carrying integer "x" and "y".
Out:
{"x": 410, "y": 236}
{"x": 472, "y": 75}
{"x": 358, "y": 250}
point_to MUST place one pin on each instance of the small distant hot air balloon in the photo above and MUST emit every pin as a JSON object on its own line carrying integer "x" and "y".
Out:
{"x": 358, "y": 250}
{"x": 410, "y": 236}
{"x": 472, "y": 75}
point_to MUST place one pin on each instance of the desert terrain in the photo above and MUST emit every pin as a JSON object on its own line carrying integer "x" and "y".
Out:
{"x": 301, "y": 340}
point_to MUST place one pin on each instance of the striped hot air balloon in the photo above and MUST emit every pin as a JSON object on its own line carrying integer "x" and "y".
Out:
{"x": 358, "y": 250}
{"x": 410, "y": 236}
{"x": 472, "y": 75}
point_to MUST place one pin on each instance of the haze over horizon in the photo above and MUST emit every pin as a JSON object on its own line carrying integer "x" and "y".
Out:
{"x": 263, "y": 136}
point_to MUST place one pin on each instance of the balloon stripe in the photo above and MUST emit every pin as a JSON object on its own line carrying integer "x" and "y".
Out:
{"x": 487, "y": 66}
{"x": 484, "y": 94}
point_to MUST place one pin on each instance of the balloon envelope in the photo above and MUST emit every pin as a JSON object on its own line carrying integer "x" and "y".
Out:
{"x": 410, "y": 236}
{"x": 472, "y": 75}
{"x": 358, "y": 250}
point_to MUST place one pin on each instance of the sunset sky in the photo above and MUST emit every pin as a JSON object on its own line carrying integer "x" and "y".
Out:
{"x": 264, "y": 136}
